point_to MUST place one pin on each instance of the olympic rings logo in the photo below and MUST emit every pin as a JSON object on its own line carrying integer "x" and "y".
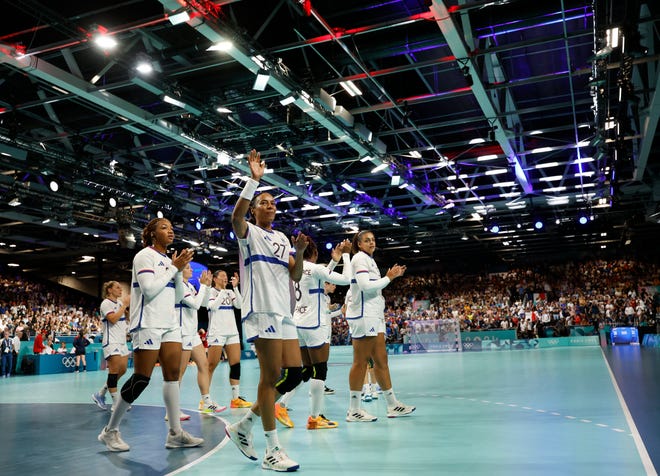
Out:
{"x": 69, "y": 361}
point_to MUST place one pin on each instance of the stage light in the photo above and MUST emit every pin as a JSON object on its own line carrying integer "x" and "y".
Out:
{"x": 112, "y": 201}
{"x": 495, "y": 229}
{"x": 582, "y": 220}
{"x": 538, "y": 224}
{"x": 53, "y": 185}
{"x": 198, "y": 225}
{"x": 231, "y": 235}
{"x": 261, "y": 81}
{"x": 464, "y": 237}
{"x": 328, "y": 246}
{"x": 159, "y": 214}
{"x": 350, "y": 88}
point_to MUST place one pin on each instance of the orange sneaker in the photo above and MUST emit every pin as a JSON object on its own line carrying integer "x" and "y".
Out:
{"x": 320, "y": 423}
{"x": 240, "y": 402}
{"x": 282, "y": 415}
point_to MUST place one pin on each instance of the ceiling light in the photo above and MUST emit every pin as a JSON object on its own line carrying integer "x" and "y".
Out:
{"x": 178, "y": 18}
{"x": 495, "y": 229}
{"x": 221, "y": 46}
{"x": 326, "y": 194}
{"x": 174, "y": 101}
{"x": 538, "y": 224}
{"x": 348, "y": 187}
{"x": 546, "y": 165}
{"x": 290, "y": 99}
{"x": 105, "y": 42}
{"x": 380, "y": 167}
{"x": 112, "y": 201}
{"x": 159, "y": 214}
{"x": 540, "y": 150}
{"x": 478, "y": 140}
{"x": 464, "y": 237}
{"x": 223, "y": 110}
{"x": 396, "y": 180}
{"x": 496, "y": 171}
{"x": 53, "y": 185}
{"x": 290, "y": 198}
{"x": 261, "y": 81}
{"x": 484, "y": 158}
{"x": 551, "y": 178}
{"x": 14, "y": 202}
{"x": 351, "y": 88}
{"x": 467, "y": 76}
{"x": 45, "y": 220}
{"x": 144, "y": 66}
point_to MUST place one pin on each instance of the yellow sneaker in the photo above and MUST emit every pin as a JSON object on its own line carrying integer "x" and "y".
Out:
{"x": 282, "y": 415}
{"x": 240, "y": 402}
{"x": 320, "y": 423}
{"x": 200, "y": 407}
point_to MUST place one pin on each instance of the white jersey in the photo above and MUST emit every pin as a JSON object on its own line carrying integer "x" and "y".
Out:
{"x": 311, "y": 306}
{"x": 113, "y": 333}
{"x": 189, "y": 304}
{"x": 222, "y": 320}
{"x": 329, "y": 315}
{"x": 264, "y": 269}
{"x": 152, "y": 291}
{"x": 366, "y": 289}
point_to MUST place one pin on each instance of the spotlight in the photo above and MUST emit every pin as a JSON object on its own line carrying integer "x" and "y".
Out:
{"x": 14, "y": 202}
{"x": 538, "y": 224}
{"x": 53, "y": 185}
{"x": 198, "y": 225}
{"x": 495, "y": 229}
{"x": 328, "y": 246}
{"x": 159, "y": 214}
{"x": 112, "y": 201}
{"x": 464, "y": 237}
{"x": 231, "y": 235}
{"x": 582, "y": 219}
{"x": 467, "y": 76}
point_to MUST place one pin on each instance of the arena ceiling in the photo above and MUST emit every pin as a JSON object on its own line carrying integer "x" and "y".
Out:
{"x": 450, "y": 127}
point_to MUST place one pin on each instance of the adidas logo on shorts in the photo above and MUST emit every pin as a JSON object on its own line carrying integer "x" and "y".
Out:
{"x": 148, "y": 342}
{"x": 270, "y": 330}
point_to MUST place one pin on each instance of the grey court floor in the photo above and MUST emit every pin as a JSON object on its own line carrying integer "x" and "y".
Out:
{"x": 527, "y": 412}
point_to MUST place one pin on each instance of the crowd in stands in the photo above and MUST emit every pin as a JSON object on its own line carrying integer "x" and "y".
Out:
{"x": 541, "y": 301}
{"x": 536, "y": 302}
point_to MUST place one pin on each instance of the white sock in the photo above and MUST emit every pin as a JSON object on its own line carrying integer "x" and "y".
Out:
{"x": 284, "y": 400}
{"x": 120, "y": 409}
{"x": 171, "y": 399}
{"x": 103, "y": 390}
{"x": 317, "y": 388}
{"x": 354, "y": 402}
{"x": 271, "y": 440}
{"x": 207, "y": 398}
{"x": 248, "y": 420}
{"x": 234, "y": 391}
{"x": 390, "y": 398}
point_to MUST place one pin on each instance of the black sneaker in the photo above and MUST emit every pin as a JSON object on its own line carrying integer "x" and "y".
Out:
{"x": 329, "y": 391}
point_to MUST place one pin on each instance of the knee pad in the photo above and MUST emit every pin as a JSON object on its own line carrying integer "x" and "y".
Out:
{"x": 307, "y": 372}
{"x": 111, "y": 382}
{"x": 235, "y": 371}
{"x": 289, "y": 379}
{"x": 133, "y": 387}
{"x": 320, "y": 371}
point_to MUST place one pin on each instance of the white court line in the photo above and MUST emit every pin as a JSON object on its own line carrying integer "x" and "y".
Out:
{"x": 641, "y": 449}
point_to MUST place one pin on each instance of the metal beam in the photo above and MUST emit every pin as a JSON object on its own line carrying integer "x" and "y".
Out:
{"x": 457, "y": 45}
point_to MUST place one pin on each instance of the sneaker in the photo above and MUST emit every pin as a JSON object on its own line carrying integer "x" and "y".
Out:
{"x": 359, "y": 415}
{"x": 320, "y": 423}
{"x": 183, "y": 439}
{"x": 182, "y": 417}
{"x": 329, "y": 391}
{"x": 242, "y": 439}
{"x": 200, "y": 407}
{"x": 399, "y": 410}
{"x": 112, "y": 440}
{"x": 277, "y": 460}
{"x": 99, "y": 400}
{"x": 240, "y": 402}
{"x": 282, "y": 415}
{"x": 213, "y": 408}
{"x": 366, "y": 397}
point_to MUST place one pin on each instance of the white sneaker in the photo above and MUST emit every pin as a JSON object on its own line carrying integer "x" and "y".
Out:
{"x": 183, "y": 439}
{"x": 359, "y": 415}
{"x": 112, "y": 440}
{"x": 399, "y": 410}
{"x": 212, "y": 408}
{"x": 242, "y": 439}
{"x": 99, "y": 400}
{"x": 366, "y": 397}
{"x": 278, "y": 460}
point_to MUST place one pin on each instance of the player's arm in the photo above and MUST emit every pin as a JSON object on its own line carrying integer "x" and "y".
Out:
{"x": 257, "y": 167}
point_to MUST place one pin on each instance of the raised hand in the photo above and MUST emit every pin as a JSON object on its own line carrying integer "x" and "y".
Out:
{"x": 206, "y": 277}
{"x": 257, "y": 166}
{"x": 182, "y": 258}
{"x": 299, "y": 242}
{"x": 395, "y": 271}
{"x": 234, "y": 280}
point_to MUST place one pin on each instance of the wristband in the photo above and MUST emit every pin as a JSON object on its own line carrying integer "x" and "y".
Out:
{"x": 250, "y": 188}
